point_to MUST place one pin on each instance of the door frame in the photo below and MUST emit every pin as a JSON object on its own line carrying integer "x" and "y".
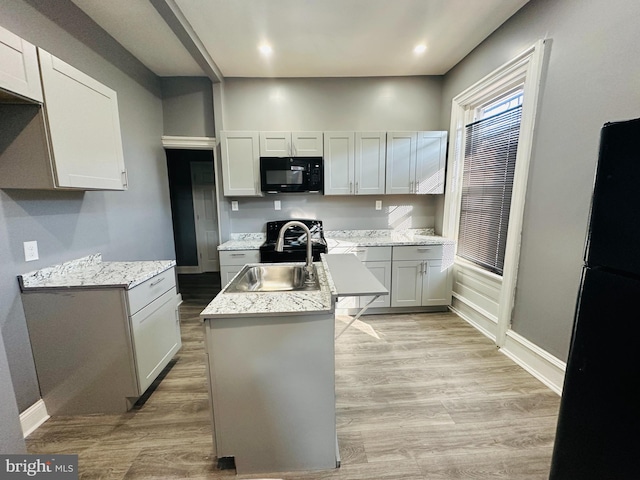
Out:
{"x": 173, "y": 142}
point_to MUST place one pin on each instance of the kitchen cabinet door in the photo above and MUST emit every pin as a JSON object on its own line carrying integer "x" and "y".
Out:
{"x": 406, "y": 282}
{"x": 275, "y": 144}
{"x": 436, "y": 288}
{"x": 401, "y": 162}
{"x": 382, "y": 271}
{"x": 84, "y": 127}
{"x": 19, "y": 72}
{"x": 370, "y": 162}
{"x": 339, "y": 158}
{"x": 156, "y": 337}
{"x": 430, "y": 162}
{"x": 307, "y": 144}
{"x": 291, "y": 144}
{"x": 240, "y": 164}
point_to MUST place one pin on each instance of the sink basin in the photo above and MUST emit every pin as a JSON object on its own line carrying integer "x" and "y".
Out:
{"x": 272, "y": 278}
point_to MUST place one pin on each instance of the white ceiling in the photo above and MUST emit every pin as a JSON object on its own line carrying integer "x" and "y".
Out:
{"x": 310, "y": 38}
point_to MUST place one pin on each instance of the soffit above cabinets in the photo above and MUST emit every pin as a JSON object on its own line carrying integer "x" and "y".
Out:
{"x": 328, "y": 38}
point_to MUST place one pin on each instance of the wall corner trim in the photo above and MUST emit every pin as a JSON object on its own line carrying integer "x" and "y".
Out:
{"x": 538, "y": 362}
{"x": 33, "y": 417}
{"x": 199, "y": 143}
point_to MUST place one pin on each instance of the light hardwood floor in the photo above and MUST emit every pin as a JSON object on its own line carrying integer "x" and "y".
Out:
{"x": 418, "y": 397}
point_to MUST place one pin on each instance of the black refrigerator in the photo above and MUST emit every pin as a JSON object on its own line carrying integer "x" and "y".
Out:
{"x": 598, "y": 431}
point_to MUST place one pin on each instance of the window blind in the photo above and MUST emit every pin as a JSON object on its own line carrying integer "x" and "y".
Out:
{"x": 487, "y": 184}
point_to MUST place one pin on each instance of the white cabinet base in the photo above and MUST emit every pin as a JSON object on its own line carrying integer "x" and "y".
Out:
{"x": 272, "y": 383}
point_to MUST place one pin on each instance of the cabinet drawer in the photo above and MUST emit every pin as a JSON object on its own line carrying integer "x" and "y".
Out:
{"x": 239, "y": 257}
{"x": 145, "y": 293}
{"x": 417, "y": 252}
{"x": 366, "y": 254}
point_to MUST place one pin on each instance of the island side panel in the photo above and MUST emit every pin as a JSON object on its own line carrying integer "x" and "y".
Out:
{"x": 273, "y": 391}
{"x": 82, "y": 350}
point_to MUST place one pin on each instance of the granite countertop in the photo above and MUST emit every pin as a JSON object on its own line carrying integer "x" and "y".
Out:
{"x": 336, "y": 238}
{"x": 384, "y": 238}
{"x": 92, "y": 272}
{"x": 275, "y": 303}
{"x": 243, "y": 241}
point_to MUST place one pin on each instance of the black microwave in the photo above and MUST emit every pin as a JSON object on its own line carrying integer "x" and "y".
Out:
{"x": 291, "y": 174}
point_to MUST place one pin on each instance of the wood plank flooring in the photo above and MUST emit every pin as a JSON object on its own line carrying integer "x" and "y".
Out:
{"x": 418, "y": 397}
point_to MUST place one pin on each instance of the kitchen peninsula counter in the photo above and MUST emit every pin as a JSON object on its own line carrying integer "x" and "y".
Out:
{"x": 92, "y": 272}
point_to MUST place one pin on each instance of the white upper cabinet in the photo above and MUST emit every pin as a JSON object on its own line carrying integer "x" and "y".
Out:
{"x": 339, "y": 162}
{"x": 291, "y": 144}
{"x": 275, "y": 144}
{"x": 430, "y": 162}
{"x": 307, "y": 144}
{"x": 415, "y": 162}
{"x": 369, "y": 163}
{"x": 240, "y": 164}
{"x": 84, "y": 126}
{"x": 19, "y": 72}
{"x": 72, "y": 142}
{"x": 354, "y": 163}
{"x": 401, "y": 161}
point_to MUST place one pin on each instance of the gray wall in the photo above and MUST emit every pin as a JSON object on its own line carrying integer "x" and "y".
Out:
{"x": 130, "y": 225}
{"x": 592, "y": 78}
{"x": 337, "y": 212}
{"x": 358, "y": 104}
{"x": 11, "y": 440}
{"x": 187, "y": 106}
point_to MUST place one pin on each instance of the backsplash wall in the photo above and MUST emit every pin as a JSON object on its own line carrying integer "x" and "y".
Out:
{"x": 337, "y": 212}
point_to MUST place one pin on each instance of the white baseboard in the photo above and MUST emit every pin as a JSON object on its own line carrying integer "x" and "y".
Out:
{"x": 33, "y": 417}
{"x": 473, "y": 315}
{"x": 538, "y": 362}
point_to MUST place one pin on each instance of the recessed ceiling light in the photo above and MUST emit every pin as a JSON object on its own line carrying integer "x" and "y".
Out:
{"x": 420, "y": 48}
{"x": 265, "y": 49}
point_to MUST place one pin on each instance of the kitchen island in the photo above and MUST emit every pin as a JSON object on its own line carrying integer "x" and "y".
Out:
{"x": 271, "y": 371}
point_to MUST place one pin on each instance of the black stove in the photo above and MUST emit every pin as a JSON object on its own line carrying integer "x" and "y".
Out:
{"x": 295, "y": 242}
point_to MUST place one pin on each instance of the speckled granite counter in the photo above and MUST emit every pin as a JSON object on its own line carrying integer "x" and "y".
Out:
{"x": 335, "y": 238}
{"x": 384, "y": 238}
{"x": 243, "y": 241}
{"x": 92, "y": 272}
{"x": 274, "y": 303}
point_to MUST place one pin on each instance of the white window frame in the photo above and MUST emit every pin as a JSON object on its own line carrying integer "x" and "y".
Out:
{"x": 526, "y": 70}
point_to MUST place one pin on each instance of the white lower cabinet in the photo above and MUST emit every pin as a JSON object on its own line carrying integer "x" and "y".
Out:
{"x": 232, "y": 261}
{"x": 418, "y": 277}
{"x": 116, "y": 342}
{"x": 156, "y": 336}
{"x": 378, "y": 261}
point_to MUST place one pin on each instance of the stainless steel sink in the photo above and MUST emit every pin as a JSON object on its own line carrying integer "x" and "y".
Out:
{"x": 272, "y": 278}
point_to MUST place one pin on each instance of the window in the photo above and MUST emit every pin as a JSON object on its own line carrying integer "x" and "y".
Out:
{"x": 484, "y": 289}
{"x": 491, "y": 145}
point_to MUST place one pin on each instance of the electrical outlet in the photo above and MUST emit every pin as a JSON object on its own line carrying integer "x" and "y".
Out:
{"x": 378, "y": 204}
{"x": 30, "y": 251}
{"x": 277, "y": 205}
{"x": 234, "y": 205}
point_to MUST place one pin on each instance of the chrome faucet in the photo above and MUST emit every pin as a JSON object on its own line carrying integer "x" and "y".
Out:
{"x": 280, "y": 246}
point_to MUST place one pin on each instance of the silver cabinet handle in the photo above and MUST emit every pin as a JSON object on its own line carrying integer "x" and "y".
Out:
{"x": 238, "y": 254}
{"x": 424, "y": 249}
{"x": 153, "y": 284}
{"x": 350, "y": 187}
{"x": 356, "y": 187}
{"x": 359, "y": 250}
